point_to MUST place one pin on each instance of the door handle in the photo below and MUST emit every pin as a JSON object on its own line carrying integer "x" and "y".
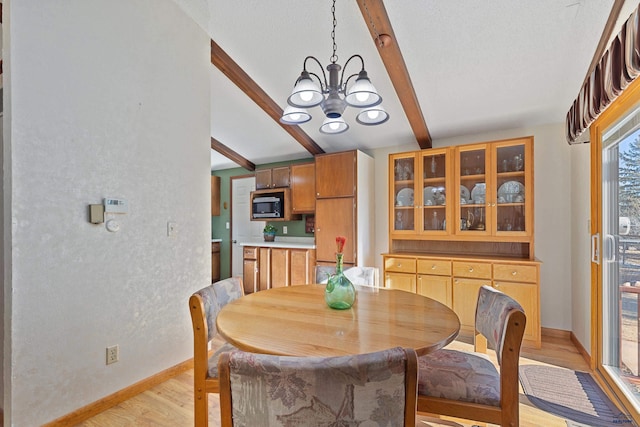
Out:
{"x": 611, "y": 252}
{"x": 595, "y": 248}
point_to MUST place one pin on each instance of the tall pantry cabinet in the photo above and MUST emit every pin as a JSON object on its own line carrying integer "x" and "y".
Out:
{"x": 345, "y": 207}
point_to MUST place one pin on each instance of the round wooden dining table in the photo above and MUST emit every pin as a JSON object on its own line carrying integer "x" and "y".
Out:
{"x": 296, "y": 321}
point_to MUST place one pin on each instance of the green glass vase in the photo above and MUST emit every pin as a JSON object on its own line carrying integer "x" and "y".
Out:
{"x": 340, "y": 292}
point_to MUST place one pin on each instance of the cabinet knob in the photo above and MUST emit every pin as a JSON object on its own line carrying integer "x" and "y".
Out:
{"x": 496, "y": 285}
{"x": 470, "y": 269}
{"x": 513, "y": 273}
{"x": 433, "y": 267}
{"x": 318, "y": 194}
{"x": 399, "y": 265}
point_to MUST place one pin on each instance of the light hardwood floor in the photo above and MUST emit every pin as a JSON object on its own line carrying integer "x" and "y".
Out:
{"x": 171, "y": 403}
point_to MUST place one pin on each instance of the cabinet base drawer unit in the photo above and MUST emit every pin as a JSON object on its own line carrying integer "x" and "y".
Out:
{"x": 455, "y": 282}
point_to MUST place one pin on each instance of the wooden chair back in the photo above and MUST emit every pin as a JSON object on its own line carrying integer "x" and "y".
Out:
{"x": 499, "y": 324}
{"x": 204, "y": 306}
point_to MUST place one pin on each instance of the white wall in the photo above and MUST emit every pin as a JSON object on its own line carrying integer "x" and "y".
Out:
{"x": 106, "y": 100}
{"x": 581, "y": 243}
{"x": 553, "y": 212}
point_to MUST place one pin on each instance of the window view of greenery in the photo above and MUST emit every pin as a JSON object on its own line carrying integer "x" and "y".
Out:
{"x": 629, "y": 259}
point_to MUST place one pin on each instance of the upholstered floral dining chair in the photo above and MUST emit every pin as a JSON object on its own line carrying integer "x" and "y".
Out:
{"x": 468, "y": 385}
{"x": 261, "y": 390}
{"x": 204, "y": 306}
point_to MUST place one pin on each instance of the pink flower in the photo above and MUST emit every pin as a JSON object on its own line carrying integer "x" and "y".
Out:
{"x": 340, "y": 241}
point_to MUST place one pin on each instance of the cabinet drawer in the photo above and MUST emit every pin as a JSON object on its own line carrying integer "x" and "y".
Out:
{"x": 436, "y": 267}
{"x": 400, "y": 265}
{"x": 250, "y": 252}
{"x": 515, "y": 273}
{"x": 472, "y": 269}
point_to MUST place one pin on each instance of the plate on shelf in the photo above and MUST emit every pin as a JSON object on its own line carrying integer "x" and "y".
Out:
{"x": 464, "y": 193}
{"x": 404, "y": 197}
{"x": 433, "y": 196}
{"x": 478, "y": 192}
{"x": 510, "y": 192}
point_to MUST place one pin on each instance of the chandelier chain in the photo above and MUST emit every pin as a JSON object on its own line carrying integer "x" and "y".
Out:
{"x": 373, "y": 26}
{"x": 334, "y": 57}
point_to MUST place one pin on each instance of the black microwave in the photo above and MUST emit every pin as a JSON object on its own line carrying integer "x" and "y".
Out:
{"x": 268, "y": 204}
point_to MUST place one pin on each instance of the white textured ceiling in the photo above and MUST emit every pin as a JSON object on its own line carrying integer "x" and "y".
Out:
{"x": 476, "y": 65}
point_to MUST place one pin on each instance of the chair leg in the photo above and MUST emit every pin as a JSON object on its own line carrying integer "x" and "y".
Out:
{"x": 201, "y": 409}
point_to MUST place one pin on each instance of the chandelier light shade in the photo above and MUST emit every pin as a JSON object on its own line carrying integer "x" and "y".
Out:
{"x": 294, "y": 116}
{"x": 362, "y": 94}
{"x": 372, "y": 116}
{"x": 306, "y": 93}
{"x": 333, "y": 126}
{"x": 334, "y": 95}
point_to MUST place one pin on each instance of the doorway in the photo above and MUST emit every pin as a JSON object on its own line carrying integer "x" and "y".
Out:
{"x": 242, "y": 228}
{"x": 616, "y": 247}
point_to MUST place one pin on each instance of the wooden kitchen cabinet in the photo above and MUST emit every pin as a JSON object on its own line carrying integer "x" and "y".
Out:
{"x": 455, "y": 282}
{"x": 336, "y": 174}
{"x": 264, "y": 269}
{"x": 434, "y": 280}
{"x": 303, "y": 262}
{"x": 250, "y": 269}
{"x": 400, "y": 273}
{"x": 303, "y": 188}
{"x": 465, "y": 299}
{"x": 280, "y": 268}
{"x": 215, "y": 261}
{"x": 273, "y": 267}
{"x": 215, "y": 195}
{"x": 278, "y": 177}
{"x": 344, "y": 207}
{"x": 335, "y": 217}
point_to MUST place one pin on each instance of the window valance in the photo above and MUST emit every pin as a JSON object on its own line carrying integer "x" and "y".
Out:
{"x": 618, "y": 67}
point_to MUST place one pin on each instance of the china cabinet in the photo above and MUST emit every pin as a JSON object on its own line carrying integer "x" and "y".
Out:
{"x": 418, "y": 193}
{"x": 495, "y": 183}
{"x": 462, "y": 217}
{"x": 472, "y": 199}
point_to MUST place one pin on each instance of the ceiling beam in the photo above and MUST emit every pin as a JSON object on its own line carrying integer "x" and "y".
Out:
{"x": 373, "y": 11}
{"x": 232, "y": 155}
{"x": 232, "y": 70}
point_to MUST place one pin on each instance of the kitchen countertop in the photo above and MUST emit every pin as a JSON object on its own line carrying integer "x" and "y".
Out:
{"x": 284, "y": 242}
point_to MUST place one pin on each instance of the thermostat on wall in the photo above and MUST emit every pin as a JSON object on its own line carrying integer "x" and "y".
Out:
{"x": 115, "y": 205}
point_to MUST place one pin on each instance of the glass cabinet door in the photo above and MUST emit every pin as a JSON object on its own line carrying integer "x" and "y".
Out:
{"x": 404, "y": 170}
{"x": 511, "y": 188}
{"x": 472, "y": 174}
{"x": 435, "y": 167}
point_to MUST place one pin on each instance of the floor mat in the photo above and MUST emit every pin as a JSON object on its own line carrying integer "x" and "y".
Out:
{"x": 570, "y": 394}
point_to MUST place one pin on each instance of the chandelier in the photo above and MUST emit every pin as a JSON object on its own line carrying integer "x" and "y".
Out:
{"x": 334, "y": 96}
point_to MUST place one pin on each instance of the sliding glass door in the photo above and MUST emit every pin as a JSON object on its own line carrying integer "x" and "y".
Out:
{"x": 616, "y": 248}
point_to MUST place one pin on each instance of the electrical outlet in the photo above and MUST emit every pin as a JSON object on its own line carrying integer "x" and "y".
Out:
{"x": 284, "y": 230}
{"x": 112, "y": 354}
